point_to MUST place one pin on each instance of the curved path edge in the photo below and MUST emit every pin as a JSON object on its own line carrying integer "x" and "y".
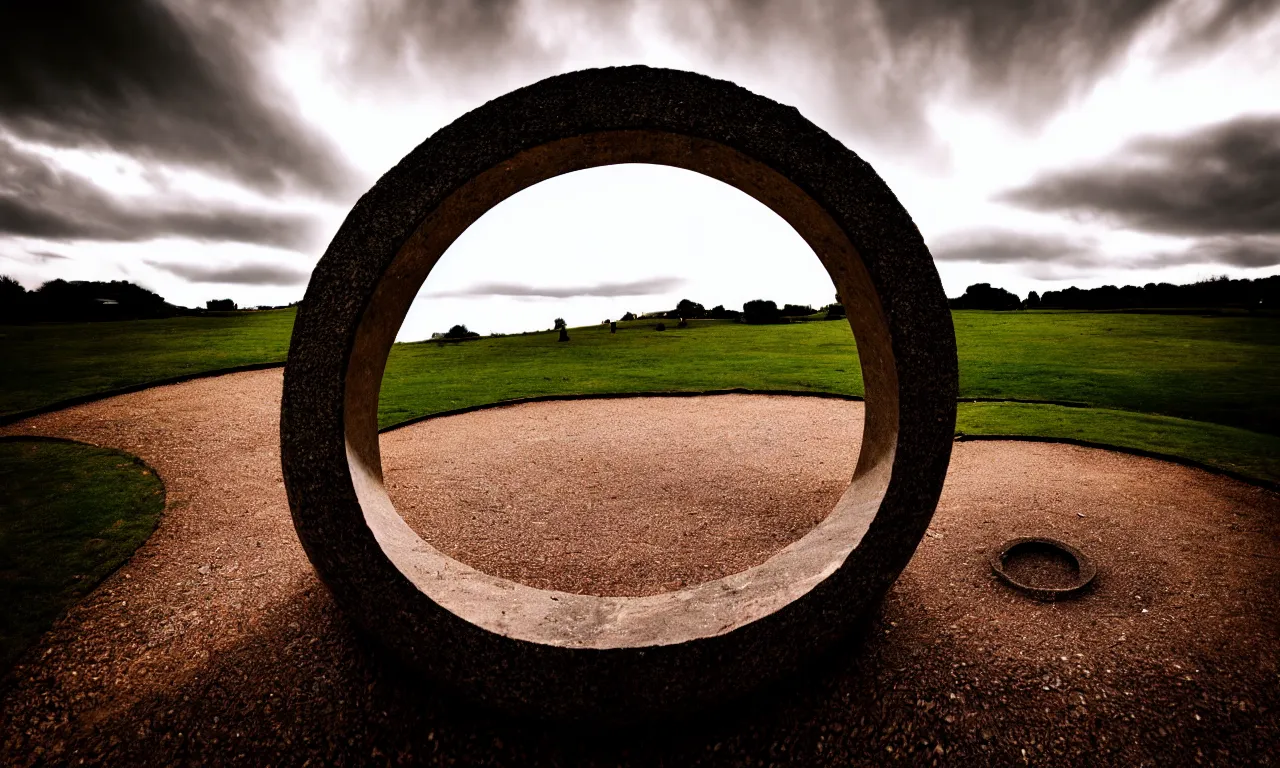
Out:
{"x": 1269, "y": 485}
{"x": 619, "y": 395}
{"x": 17, "y": 416}
{"x": 960, "y": 436}
{"x": 7, "y": 676}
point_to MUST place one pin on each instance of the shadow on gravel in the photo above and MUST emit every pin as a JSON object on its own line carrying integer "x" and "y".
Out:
{"x": 321, "y": 695}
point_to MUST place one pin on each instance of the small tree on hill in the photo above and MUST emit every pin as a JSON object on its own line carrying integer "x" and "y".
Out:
{"x": 761, "y": 311}
{"x": 13, "y": 300}
{"x": 559, "y": 325}
{"x": 689, "y": 309}
{"x": 718, "y": 312}
{"x": 983, "y": 296}
{"x": 460, "y": 332}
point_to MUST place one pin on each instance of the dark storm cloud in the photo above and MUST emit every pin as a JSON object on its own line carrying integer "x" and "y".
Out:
{"x": 243, "y": 274}
{"x": 135, "y": 77}
{"x": 1218, "y": 23}
{"x": 462, "y": 34}
{"x": 882, "y": 61}
{"x": 876, "y": 64}
{"x": 1220, "y": 180}
{"x": 40, "y": 201}
{"x": 647, "y": 287}
{"x": 1248, "y": 253}
{"x": 993, "y": 246}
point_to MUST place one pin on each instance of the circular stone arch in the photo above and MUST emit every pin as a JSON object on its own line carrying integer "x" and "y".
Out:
{"x": 567, "y": 655}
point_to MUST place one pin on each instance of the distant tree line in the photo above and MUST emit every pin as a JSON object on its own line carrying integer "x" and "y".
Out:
{"x": 1214, "y": 293}
{"x": 91, "y": 300}
{"x": 80, "y": 300}
{"x": 755, "y": 312}
{"x": 1218, "y": 292}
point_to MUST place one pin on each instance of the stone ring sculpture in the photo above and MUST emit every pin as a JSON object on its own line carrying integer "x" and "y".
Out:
{"x": 565, "y": 655}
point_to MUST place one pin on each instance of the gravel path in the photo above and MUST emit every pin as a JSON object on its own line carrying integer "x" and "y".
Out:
{"x": 217, "y": 644}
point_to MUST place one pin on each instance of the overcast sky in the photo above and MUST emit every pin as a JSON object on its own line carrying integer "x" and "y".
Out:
{"x": 211, "y": 150}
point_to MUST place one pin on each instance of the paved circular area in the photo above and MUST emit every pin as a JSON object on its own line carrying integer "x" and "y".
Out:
{"x": 217, "y": 644}
{"x": 634, "y": 496}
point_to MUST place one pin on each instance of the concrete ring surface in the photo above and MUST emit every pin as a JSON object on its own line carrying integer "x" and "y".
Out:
{"x": 558, "y": 654}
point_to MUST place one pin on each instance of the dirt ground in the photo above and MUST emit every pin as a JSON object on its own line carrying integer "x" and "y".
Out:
{"x": 217, "y": 644}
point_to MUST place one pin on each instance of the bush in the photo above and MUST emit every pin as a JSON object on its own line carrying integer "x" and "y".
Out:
{"x": 835, "y": 311}
{"x": 797, "y": 310}
{"x": 660, "y": 327}
{"x": 460, "y": 332}
{"x": 628, "y": 316}
{"x": 220, "y": 305}
{"x": 761, "y": 311}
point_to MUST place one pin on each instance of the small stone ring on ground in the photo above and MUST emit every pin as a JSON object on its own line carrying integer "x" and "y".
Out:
{"x": 563, "y": 655}
{"x": 1083, "y": 567}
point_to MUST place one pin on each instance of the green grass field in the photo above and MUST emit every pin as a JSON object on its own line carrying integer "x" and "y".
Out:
{"x": 49, "y": 362}
{"x": 1212, "y": 381}
{"x": 70, "y": 514}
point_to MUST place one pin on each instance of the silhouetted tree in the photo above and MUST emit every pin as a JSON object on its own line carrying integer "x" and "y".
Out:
{"x": 797, "y": 310}
{"x": 220, "y": 305}
{"x": 760, "y": 311}
{"x": 983, "y": 296}
{"x": 689, "y": 310}
{"x": 559, "y": 324}
{"x": 628, "y": 316}
{"x": 718, "y": 312}
{"x": 13, "y": 300}
{"x": 1032, "y": 302}
{"x": 80, "y": 300}
{"x": 460, "y": 332}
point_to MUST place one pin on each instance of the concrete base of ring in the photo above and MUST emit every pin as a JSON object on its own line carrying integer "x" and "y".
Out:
{"x": 580, "y": 656}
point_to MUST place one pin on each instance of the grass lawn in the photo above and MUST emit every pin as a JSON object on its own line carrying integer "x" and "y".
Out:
{"x": 1240, "y": 451}
{"x": 428, "y": 377}
{"x": 70, "y": 514}
{"x": 1224, "y": 370}
{"x": 49, "y": 362}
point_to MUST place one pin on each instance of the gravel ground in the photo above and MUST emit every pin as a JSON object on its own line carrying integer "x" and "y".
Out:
{"x": 217, "y": 644}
